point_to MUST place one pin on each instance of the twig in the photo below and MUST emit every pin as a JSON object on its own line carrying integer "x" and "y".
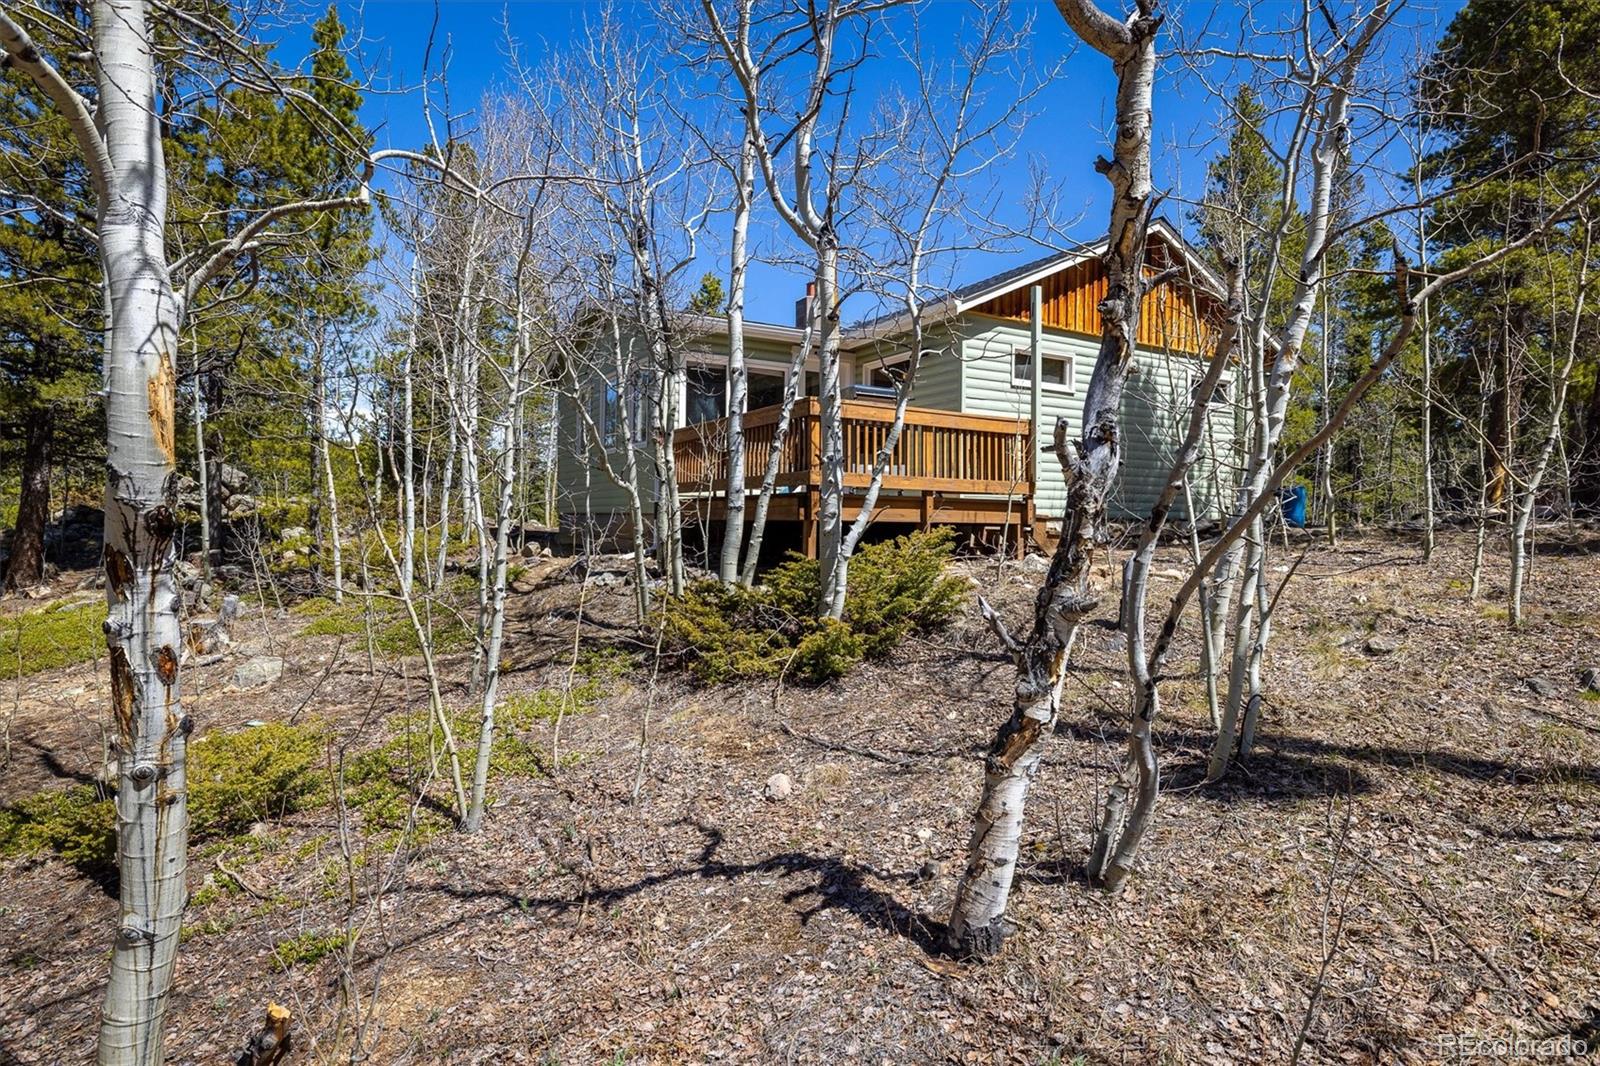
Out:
{"x": 237, "y": 878}
{"x": 850, "y": 749}
{"x": 333, "y": 660}
{"x": 1330, "y": 945}
{"x": 1444, "y": 923}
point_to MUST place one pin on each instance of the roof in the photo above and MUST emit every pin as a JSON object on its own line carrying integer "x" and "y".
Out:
{"x": 980, "y": 292}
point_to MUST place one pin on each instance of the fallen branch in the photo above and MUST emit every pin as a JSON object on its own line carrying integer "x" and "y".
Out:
{"x": 238, "y": 878}
{"x": 848, "y": 749}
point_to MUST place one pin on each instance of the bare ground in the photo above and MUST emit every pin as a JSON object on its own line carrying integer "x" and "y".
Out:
{"x": 1419, "y": 827}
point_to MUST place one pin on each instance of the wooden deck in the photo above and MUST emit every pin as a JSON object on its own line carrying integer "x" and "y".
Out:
{"x": 946, "y": 468}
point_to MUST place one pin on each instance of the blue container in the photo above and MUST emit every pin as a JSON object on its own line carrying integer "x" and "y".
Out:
{"x": 1293, "y": 502}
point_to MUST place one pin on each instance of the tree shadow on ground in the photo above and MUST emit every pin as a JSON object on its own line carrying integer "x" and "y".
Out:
{"x": 1291, "y": 768}
{"x": 839, "y": 885}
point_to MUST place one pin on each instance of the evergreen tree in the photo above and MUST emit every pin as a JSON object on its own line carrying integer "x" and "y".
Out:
{"x": 50, "y": 317}
{"x": 1517, "y": 136}
{"x": 709, "y": 299}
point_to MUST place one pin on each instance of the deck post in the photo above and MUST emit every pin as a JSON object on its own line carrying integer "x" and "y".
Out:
{"x": 927, "y": 509}
{"x": 808, "y": 525}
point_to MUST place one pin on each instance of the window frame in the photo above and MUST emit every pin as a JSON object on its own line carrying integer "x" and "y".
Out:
{"x": 1067, "y": 389}
{"x": 865, "y": 367}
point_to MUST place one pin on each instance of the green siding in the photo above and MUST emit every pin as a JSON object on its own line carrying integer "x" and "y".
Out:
{"x": 968, "y": 368}
{"x": 1155, "y": 409}
{"x": 581, "y": 477}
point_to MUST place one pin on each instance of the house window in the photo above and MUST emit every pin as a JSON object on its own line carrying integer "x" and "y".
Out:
{"x": 764, "y": 390}
{"x": 1055, "y": 370}
{"x": 705, "y": 394}
{"x": 611, "y": 413}
{"x": 1221, "y": 395}
{"x": 622, "y": 411}
{"x": 885, "y": 373}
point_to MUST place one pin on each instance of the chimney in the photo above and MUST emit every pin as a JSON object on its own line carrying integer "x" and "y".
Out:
{"x": 802, "y": 306}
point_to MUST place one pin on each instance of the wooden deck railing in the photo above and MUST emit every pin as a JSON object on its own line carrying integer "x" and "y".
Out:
{"x": 938, "y": 451}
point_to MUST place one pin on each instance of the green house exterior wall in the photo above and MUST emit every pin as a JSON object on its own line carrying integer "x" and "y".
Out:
{"x": 967, "y": 367}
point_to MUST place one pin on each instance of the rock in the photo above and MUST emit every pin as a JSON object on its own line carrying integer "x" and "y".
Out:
{"x": 232, "y": 479}
{"x": 1118, "y": 642}
{"x": 537, "y": 574}
{"x": 1378, "y": 644}
{"x": 241, "y": 506}
{"x": 930, "y": 870}
{"x": 1035, "y": 564}
{"x": 261, "y": 670}
{"x": 189, "y": 493}
{"x": 1540, "y": 687}
{"x": 530, "y": 550}
{"x": 779, "y": 787}
{"x": 295, "y": 533}
{"x": 1589, "y": 681}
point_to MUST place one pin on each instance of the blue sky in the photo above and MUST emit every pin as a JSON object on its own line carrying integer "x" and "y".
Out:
{"x": 1063, "y": 139}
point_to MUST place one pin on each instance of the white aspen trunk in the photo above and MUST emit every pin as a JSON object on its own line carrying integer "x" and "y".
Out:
{"x": 473, "y": 820}
{"x": 1122, "y": 828}
{"x": 769, "y": 478}
{"x": 977, "y": 921}
{"x": 325, "y": 470}
{"x": 142, "y": 628}
{"x": 1481, "y": 519}
{"x": 1428, "y": 518}
{"x": 408, "y": 480}
{"x": 1525, "y": 504}
{"x": 1325, "y": 457}
{"x": 1243, "y": 630}
{"x": 1326, "y": 154}
{"x": 830, "y": 503}
{"x": 1258, "y": 652}
{"x": 446, "y": 490}
{"x": 738, "y": 378}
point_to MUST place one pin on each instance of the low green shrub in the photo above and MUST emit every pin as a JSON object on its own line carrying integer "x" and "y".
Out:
{"x": 235, "y": 780}
{"x": 392, "y": 632}
{"x": 238, "y": 779}
{"x": 47, "y": 637}
{"x": 896, "y": 588}
{"x": 308, "y": 948}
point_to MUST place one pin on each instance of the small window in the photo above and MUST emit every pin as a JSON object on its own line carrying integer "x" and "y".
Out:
{"x": 705, "y": 394}
{"x": 763, "y": 390}
{"x": 1055, "y": 371}
{"x": 1221, "y": 394}
{"x": 882, "y": 374}
{"x": 617, "y": 425}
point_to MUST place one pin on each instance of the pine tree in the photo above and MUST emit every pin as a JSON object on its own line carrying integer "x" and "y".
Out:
{"x": 1517, "y": 137}
{"x": 50, "y": 316}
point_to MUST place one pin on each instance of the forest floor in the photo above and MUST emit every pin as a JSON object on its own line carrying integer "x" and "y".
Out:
{"x": 1413, "y": 848}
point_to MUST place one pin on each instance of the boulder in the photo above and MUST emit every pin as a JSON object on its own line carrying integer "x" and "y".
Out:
{"x": 1589, "y": 681}
{"x": 261, "y": 670}
{"x": 1378, "y": 644}
{"x": 232, "y": 479}
{"x": 295, "y": 533}
{"x": 1540, "y": 687}
{"x": 779, "y": 787}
